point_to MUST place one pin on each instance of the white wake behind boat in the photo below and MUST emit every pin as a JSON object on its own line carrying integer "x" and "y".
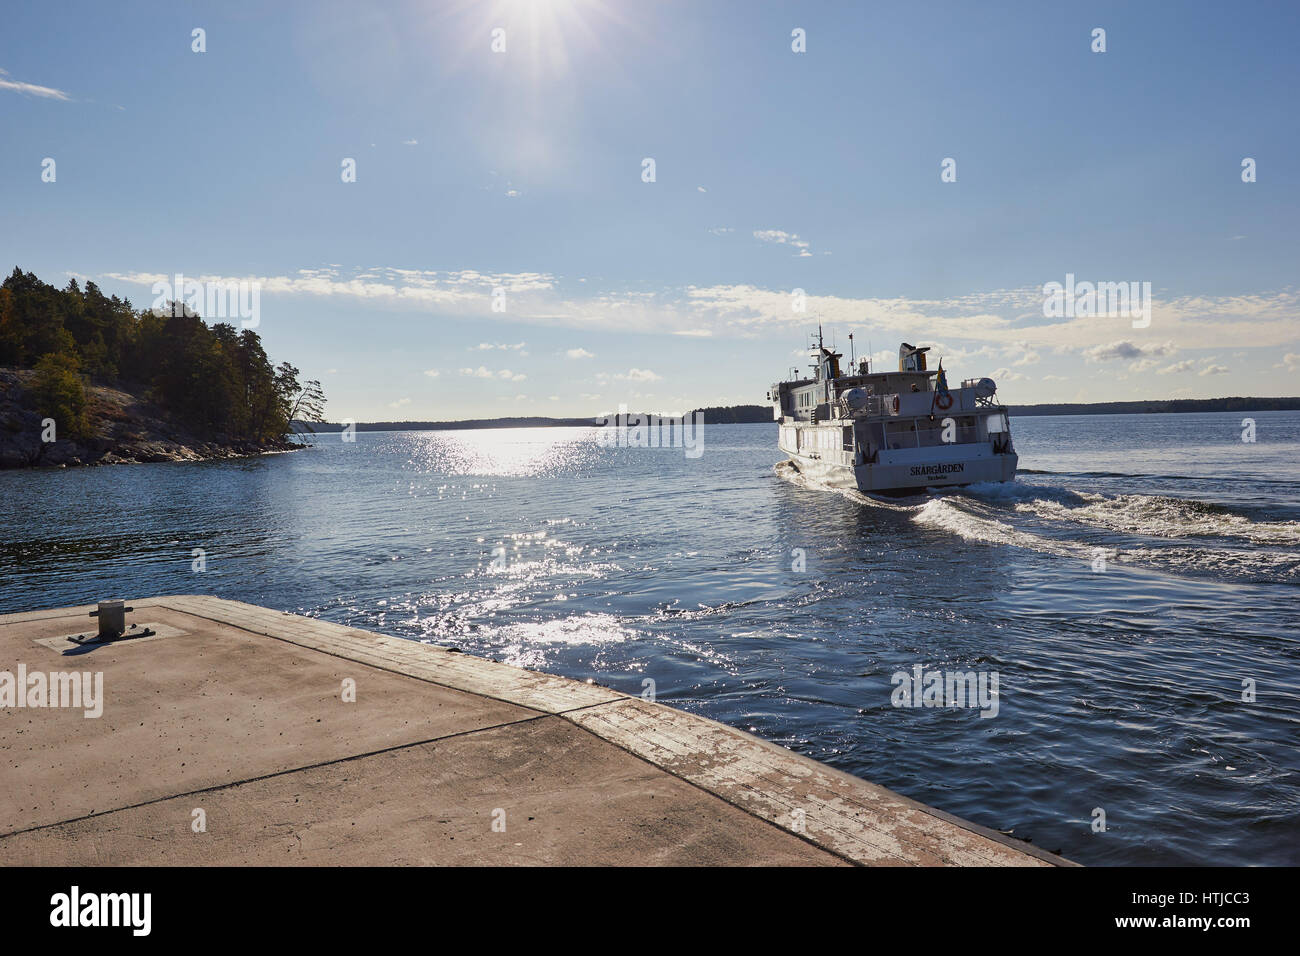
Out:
{"x": 892, "y": 432}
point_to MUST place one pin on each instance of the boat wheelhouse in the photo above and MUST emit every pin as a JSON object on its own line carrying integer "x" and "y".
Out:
{"x": 892, "y": 432}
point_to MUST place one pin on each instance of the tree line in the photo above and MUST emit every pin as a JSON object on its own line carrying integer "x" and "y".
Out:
{"x": 216, "y": 380}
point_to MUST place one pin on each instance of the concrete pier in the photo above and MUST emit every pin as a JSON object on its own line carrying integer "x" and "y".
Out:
{"x": 229, "y": 738}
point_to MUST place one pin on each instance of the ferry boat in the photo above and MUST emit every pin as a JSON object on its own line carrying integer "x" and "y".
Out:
{"x": 892, "y": 432}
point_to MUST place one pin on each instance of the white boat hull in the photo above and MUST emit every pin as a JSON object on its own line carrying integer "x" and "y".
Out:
{"x": 914, "y": 474}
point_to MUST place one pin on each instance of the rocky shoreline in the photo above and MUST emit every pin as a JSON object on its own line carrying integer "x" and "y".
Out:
{"x": 125, "y": 429}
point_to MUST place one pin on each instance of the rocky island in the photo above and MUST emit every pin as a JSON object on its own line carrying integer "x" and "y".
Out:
{"x": 85, "y": 379}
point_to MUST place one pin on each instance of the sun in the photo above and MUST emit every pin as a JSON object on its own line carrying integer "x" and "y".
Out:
{"x": 547, "y": 36}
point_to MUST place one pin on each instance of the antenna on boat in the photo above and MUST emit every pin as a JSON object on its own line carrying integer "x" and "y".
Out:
{"x": 853, "y": 362}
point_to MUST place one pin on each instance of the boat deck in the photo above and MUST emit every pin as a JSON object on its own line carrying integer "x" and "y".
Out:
{"x": 237, "y": 711}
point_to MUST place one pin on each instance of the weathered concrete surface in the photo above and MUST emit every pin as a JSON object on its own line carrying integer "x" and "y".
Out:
{"x": 237, "y": 711}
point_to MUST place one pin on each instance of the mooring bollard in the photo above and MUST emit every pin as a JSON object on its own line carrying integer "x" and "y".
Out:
{"x": 112, "y": 624}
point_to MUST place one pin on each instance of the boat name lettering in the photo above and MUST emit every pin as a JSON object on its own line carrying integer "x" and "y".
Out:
{"x": 953, "y": 468}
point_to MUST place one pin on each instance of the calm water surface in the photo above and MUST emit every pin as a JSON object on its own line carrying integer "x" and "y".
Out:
{"x": 1120, "y": 689}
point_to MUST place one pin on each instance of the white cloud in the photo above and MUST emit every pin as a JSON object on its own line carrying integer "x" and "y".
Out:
{"x": 631, "y": 375}
{"x": 410, "y": 142}
{"x": 1184, "y": 366}
{"x": 781, "y": 237}
{"x": 399, "y": 403}
{"x": 464, "y": 292}
{"x": 504, "y": 373}
{"x": 1127, "y": 350}
{"x": 1214, "y": 370}
{"x": 31, "y": 89}
{"x": 500, "y": 346}
{"x": 579, "y": 354}
{"x": 999, "y": 320}
{"x": 432, "y": 372}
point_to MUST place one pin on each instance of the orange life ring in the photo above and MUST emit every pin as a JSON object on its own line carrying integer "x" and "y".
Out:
{"x": 943, "y": 402}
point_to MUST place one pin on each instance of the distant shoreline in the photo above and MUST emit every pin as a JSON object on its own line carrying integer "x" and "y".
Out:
{"x": 762, "y": 414}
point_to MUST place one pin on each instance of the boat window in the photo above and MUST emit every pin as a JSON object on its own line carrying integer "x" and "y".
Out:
{"x": 997, "y": 423}
{"x": 900, "y": 434}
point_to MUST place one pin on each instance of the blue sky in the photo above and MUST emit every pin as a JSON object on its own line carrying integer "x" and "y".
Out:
{"x": 774, "y": 171}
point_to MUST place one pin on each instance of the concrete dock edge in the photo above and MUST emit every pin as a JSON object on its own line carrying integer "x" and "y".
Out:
{"x": 796, "y": 799}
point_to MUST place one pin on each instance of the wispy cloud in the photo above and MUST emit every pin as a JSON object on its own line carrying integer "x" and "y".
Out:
{"x": 1006, "y": 375}
{"x": 504, "y": 373}
{"x": 1127, "y": 350}
{"x": 579, "y": 354}
{"x": 631, "y": 375}
{"x": 783, "y": 238}
{"x": 465, "y": 291}
{"x": 31, "y": 89}
{"x": 999, "y": 320}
